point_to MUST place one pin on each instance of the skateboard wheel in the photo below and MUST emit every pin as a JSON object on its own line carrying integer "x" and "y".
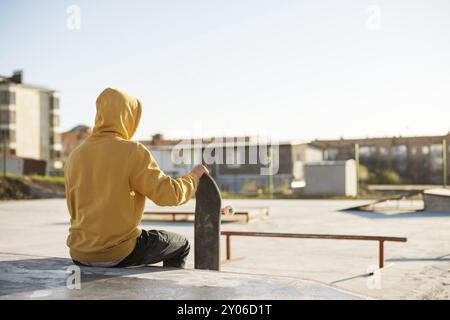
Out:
{"x": 228, "y": 210}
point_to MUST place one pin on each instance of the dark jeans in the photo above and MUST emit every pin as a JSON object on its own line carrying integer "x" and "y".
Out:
{"x": 154, "y": 246}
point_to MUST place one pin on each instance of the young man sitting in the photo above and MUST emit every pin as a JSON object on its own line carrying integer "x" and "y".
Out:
{"x": 107, "y": 180}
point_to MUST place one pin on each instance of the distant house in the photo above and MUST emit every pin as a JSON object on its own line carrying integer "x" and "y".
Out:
{"x": 29, "y": 122}
{"x": 73, "y": 138}
{"x": 418, "y": 160}
{"x": 238, "y": 164}
{"x": 22, "y": 166}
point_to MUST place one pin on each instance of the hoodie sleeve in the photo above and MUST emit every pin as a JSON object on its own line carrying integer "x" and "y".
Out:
{"x": 148, "y": 179}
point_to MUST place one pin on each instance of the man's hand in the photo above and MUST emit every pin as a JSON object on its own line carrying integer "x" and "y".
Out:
{"x": 199, "y": 170}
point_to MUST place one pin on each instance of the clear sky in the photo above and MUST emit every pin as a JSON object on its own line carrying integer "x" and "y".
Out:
{"x": 292, "y": 69}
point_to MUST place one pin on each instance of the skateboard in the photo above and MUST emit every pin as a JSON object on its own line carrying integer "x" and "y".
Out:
{"x": 208, "y": 204}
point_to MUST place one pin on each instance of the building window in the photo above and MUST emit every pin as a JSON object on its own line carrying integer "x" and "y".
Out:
{"x": 4, "y": 116}
{"x": 7, "y": 116}
{"x": 399, "y": 152}
{"x": 425, "y": 150}
{"x": 55, "y": 139}
{"x": 54, "y": 120}
{"x": 56, "y": 154}
{"x": 436, "y": 150}
{"x": 4, "y": 97}
{"x": 9, "y": 135}
{"x": 332, "y": 153}
{"x": 7, "y": 97}
{"x": 384, "y": 151}
{"x": 436, "y": 157}
{"x": 367, "y": 151}
{"x": 54, "y": 103}
{"x": 436, "y": 163}
{"x": 4, "y": 134}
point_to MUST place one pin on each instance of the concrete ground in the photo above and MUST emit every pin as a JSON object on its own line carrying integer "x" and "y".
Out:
{"x": 418, "y": 269}
{"x": 31, "y": 277}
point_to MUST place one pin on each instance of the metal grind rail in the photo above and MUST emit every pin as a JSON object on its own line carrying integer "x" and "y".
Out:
{"x": 381, "y": 240}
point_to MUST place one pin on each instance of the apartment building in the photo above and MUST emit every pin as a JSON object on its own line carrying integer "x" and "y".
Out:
{"x": 418, "y": 159}
{"x": 29, "y": 122}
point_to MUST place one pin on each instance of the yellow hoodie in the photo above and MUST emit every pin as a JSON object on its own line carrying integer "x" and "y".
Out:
{"x": 107, "y": 179}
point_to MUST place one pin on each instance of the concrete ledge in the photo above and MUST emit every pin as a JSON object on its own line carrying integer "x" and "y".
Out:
{"x": 30, "y": 277}
{"x": 241, "y": 215}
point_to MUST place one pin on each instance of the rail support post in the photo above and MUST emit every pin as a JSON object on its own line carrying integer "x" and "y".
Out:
{"x": 381, "y": 254}
{"x": 228, "y": 244}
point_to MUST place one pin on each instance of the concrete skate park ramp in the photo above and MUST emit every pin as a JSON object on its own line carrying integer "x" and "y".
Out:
{"x": 29, "y": 277}
{"x": 437, "y": 200}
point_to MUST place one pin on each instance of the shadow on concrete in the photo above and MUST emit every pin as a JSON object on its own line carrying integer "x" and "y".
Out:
{"x": 362, "y": 275}
{"x": 402, "y": 215}
{"x": 29, "y": 275}
{"x": 59, "y": 223}
{"x": 46, "y": 278}
{"x": 443, "y": 258}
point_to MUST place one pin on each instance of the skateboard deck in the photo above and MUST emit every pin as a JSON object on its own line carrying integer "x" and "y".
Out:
{"x": 208, "y": 203}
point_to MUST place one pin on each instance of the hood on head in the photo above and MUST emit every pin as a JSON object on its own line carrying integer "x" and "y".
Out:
{"x": 117, "y": 113}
